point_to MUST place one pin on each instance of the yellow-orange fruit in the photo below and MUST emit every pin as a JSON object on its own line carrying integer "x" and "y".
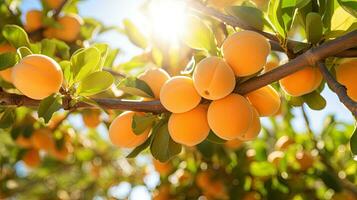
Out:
{"x": 6, "y": 74}
{"x": 210, "y": 186}
{"x": 178, "y": 95}
{"x": 92, "y": 118}
{"x": 23, "y": 142}
{"x": 253, "y": 130}
{"x": 155, "y": 79}
{"x": 233, "y": 144}
{"x": 42, "y": 139}
{"x": 37, "y": 76}
{"x": 266, "y": 100}
{"x": 54, "y": 4}
{"x": 230, "y": 117}
{"x": 301, "y": 82}
{"x": 272, "y": 63}
{"x": 246, "y": 52}
{"x": 189, "y": 128}
{"x": 163, "y": 168}
{"x": 68, "y": 31}
{"x": 304, "y": 159}
{"x": 346, "y": 75}
{"x": 275, "y": 157}
{"x": 31, "y": 158}
{"x": 60, "y": 154}
{"x": 163, "y": 193}
{"x": 284, "y": 142}
{"x": 213, "y": 78}
{"x": 121, "y": 133}
{"x": 33, "y": 20}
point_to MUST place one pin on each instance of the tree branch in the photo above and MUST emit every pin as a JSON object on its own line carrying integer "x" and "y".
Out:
{"x": 339, "y": 89}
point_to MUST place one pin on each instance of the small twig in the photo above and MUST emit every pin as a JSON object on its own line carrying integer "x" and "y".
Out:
{"x": 114, "y": 73}
{"x": 59, "y": 123}
{"x": 339, "y": 89}
{"x": 307, "y": 121}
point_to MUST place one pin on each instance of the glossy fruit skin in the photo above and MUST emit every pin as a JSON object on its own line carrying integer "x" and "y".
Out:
{"x": 253, "y": 130}
{"x": 346, "y": 75}
{"x": 42, "y": 139}
{"x": 246, "y": 52}
{"x": 230, "y": 123}
{"x": 69, "y": 30}
{"x": 155, "y": 78}
{"x": 234, "y": 144}
{"x": 33, "y": 20}
{"x": 6, "y": 74}
{"x": 213, "y": 78}
{"x": 121, "y": 133}
{"x": 266, "y": 100}
{"x": 189, "y": 128}
{"x": 37, "y": 76}
{"x": 178, "y": 95}
{"x": 32, "y": 158}
{"x": 302, "y": 82}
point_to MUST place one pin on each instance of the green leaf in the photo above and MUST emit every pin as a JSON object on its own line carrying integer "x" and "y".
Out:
{"x": 342, "y": 20}
{"x": 353, "y": 141}
{"x": 111, "y": 58}
{"x": 314, "y": 27}
{"x": 67, "y": 71}
{"x": 95, "y": 83}
{"x": 7, "y": 118}
{"x": 315, "y": 101}
{"x": 250, "y": 15}
{"x": 103, "y": 49}
{"x": 262, "y": 169}
{"x": 23, "y": 52}
{"x": 8, "y": 60}
{"x": 16, "y": 36}
{"x": 200, "y": 36}
{"x": 137, "y": 87}
{"x": 294, "y": 101}
{"x": 350, "y": 6}
{"x": 274, "y": 14}
{"x": 50, "y": 47}
{"x": 212, "y": 137}
{"x": 163, "y": 147}
{"x": 142, "y": 123}
{"x": 48, "y": 106}
{"x": 140, "y": 148}
{"x": 85, "y": 62}
{"x": 134, "y": 35}
{"x": 330, "y": 180}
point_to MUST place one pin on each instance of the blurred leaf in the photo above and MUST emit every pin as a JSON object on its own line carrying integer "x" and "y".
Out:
{"x": 262, "y": 169}
{"x": 112, "y": 55}
{"x": 7, "y": 118}
{"x": 135, "y": 86}
{"x": 142, "y": 122}
{"x": 16, "y": 36}
{"x": 330, "y": 180}
{"x": 353, "y": 141}
{"x": 342, "y": 20}
{"x": 250, "y": 15}
{"x": 50, "y": 47}
{"x": 350, "y": 6}
{"x": 140, "y": 148}
{"x": 315, "y": 101}
{"x": 314, "y": 27}
{"x": 48, "y": 106}
{"x": 163, "y": 148}
{"x": 95, "y": 83}
{"x": 104, "y": 50}
{"x": 90, "y": 28}
{"x": 67, "y": 71}
{"x": 84, "y": 154}
{"x": 212, "y": 137}
{"x": 85, "y": 62}
{"x": 23, "y": 52}
{"x": 7, "y": 60}
{"x": 134, "y": 35}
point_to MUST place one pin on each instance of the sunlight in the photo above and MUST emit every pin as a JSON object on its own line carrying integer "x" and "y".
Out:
{"x": 168, "y": 19}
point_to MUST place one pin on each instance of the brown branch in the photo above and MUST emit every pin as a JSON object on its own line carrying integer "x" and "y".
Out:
{"x": 339, "y": 89}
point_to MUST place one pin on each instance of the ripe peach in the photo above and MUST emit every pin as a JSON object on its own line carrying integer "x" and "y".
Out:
{"x": 346, "y": 75}
{"x": 6, "y": 74}
{"x": 163, "y": 168}
{"x": 121, "y": 133}
{"x": 31, "y": 158}
{"x": 42, "y": 139}
{"x": 54, "y": 4}
{"x": 189, "y": 128}
{"x": 91, "y": 118}
{"x": 230, "y": 117}
{"x": 60, "y": 154}
{"x": 178, "y": 95}
{"x": 233, "y": 144}
{"x": 304, "y": 159}
{"x": 37, "y": 76}
{"x": 275, "y": 157}
{"x": 253, "y": 130}
{"x": 302, "y": 82}
{"x": 284, "y": 142}
{"x": 69, "y": 30}
{"x": 155, "y": 79}
{"x": 33, "y": 20}
{"x": 213, "y": 78}
{"x": 246, "y": 52}
{"x": 266, "y": 100}
{"x": 23, "y": 142}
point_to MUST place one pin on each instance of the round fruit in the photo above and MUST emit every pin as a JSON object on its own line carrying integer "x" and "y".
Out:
{"x": 31, "y": 158}
{"x": 233, "y": 144}
{"x": 91, "y": 118}
{"x": 37, "y": 76}
{"x": 302, "y": 82}
{"x": 6, "y": 74}
{"x": 230, "y": 117}
{"x": 275, "y": 157}
{"x": 60, "y": 154}
{"x": 69, "y": 28}
{"x": 189, "y": 128}
{"x": 246, "y": 52}
{"x": 54, "y": 4}
{"x": 213, "y": 78}
{"x": 42, "y": 139}
{"x": 33, "y": 20}
{"x": 283, "y": 143}
{"x": 23, "y": 142}
{"x": 155, "y": 79}
{"x": 178, "y": 95}
{"x": 305, "y": 160}
{"x": 253, "y": 130}
{"x": 266, "y": 100}
{"x": 346, "y": 75}
{"x": 163, "y": 168}
{"x": 121, "y": 133}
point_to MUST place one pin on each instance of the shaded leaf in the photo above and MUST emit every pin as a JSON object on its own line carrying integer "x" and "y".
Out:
{"x": 140, "y": 148}
{"x": 142, "y": 122}
{"x": 48, "y": 106}
{"x": 353, "y": 141}
{"x": 314, "y": 27}
{"x": 135, "y": 86}
{"x": 134, "y": 35}
{"x": 315, "y": 101}
{"x": 212, "y": 137}
{"x": 7, "y": 118}
{"x": 8, "y": 60}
